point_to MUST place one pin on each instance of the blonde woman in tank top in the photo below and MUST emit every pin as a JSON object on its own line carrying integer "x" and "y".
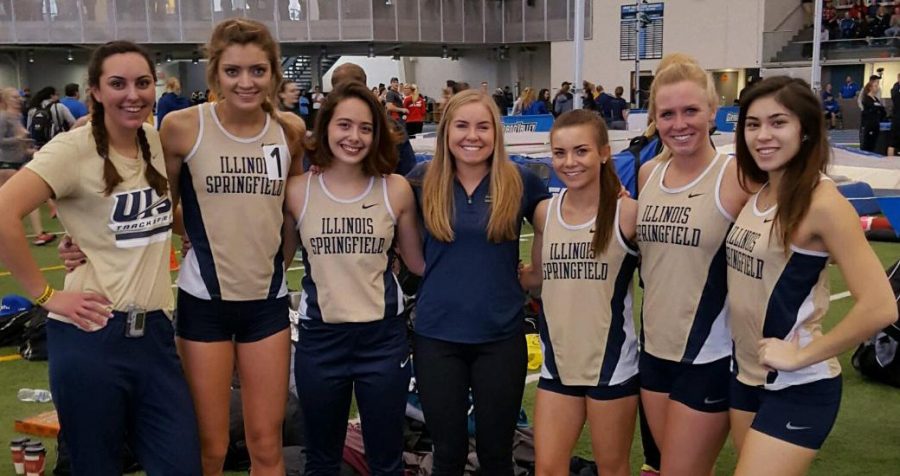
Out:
{"x": 582, "y": 263}
{"x": 688, "y": 198}
{"x": 787, "y": 385}
{"x": 352, "y": 334}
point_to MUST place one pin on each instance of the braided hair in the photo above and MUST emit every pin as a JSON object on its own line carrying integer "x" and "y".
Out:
{"x": 111, "y": 176}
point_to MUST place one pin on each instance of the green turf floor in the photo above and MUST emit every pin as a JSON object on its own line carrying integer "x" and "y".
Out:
{"x": 865, "y": 440}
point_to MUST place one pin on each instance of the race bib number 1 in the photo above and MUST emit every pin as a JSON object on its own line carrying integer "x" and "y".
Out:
{"x": 276, "y": 161}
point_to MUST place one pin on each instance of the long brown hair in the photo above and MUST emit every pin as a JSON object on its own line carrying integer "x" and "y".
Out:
{"x": 382, "y": 157}
{"x": 802, "y": 172}
{"x": 111, "y": 176}
{"x": 506, "y": 182}
{"x": 243, "y": 31}
{"x": 605, "y": 222}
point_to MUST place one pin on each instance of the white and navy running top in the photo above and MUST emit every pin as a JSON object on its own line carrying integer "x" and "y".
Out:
{"x": 347, "y": 247}
{"x": 681, "y": 235}
{"x": 774, "y": 294}
{"x": 586, "y": 327}
{"x": 232, "y": 194}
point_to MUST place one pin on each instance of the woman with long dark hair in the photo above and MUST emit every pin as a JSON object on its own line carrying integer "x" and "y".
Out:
{"x": 786, "y": 388}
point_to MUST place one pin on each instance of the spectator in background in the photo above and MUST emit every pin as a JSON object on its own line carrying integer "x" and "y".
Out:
{"x": 303, "y": 105}
{"x": 894, "y": 29}
{"x": 171, "y": 100}
{"x": 858, "y": 10}
{"x": 288, "y": 96}
{"x": 73, "y": 101}
{"x": 15, "y": 150}
{"x": 875, "y": 81}
{"x": 316, "y": 100}
{"x": 872, "y": 114}
{"x": 393, "y": 102}
{"x": 848, "y": 26}
{"x": 618, "y": 109}
{"x": 531, "y": 105}
{"x": 830, "y": 20}
{"x": 544, "y": 97}
{"x": 564, "y": 101}
{"x": 587, "y": 96}
{"x": 830, "y": 105}
{"x": 880, "y": 22}
{"x": 850, "y": 89}
{"x": 415, "y": 104}
{"x": 500, "y": 100}
{"x": 509, "y": 95}
{"x": 518, "y": 106}
{"x": 62, "y": 119}
{"x": 895, "y": 119}
{"x": 602, "y": 103}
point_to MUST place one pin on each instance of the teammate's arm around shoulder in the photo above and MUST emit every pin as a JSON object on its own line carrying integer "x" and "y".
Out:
{"x": 530, "y": 276}
{"x": 409, "y": 234}
{"x": 628, "y": 218}
{"x": 178, "y": 135}
{"x": 832, "y": 221}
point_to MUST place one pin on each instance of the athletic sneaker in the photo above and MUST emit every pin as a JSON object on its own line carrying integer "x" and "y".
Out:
{"x": 43, "y": 238}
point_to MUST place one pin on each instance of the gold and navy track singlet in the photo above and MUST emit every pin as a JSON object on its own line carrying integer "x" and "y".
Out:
{"x": 773, "y": 294}
{"x": 587, "y": 329}
{"x": 347, "y": 248}
{"x": 232, "y": 194}
{"x": 681, "y": 234}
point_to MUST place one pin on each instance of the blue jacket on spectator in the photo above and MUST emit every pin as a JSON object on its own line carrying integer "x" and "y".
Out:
{"x": 849, "y": 90}
{"x": 167, "y": 103}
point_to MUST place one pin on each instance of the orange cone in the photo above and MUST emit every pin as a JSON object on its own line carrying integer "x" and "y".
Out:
{"x": 173, "y": 261}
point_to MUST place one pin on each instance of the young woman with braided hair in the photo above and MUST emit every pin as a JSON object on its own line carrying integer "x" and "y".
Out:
{"x": 113, "y": 364}
{"x": 227, "y": 164}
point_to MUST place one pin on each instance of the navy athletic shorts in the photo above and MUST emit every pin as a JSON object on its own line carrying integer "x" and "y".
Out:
{"x": 801, "y": 414}
{"x": 627, "y": 388}
{"x": 703, "y": 387}
{"x": 203, "y": 320}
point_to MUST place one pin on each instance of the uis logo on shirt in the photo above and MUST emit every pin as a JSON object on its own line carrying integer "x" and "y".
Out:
{"x": 140, "y": 217}
{"x": 487, "y": 198}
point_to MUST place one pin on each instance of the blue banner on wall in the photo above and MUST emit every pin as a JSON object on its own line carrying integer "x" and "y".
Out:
{"x": 726, "y": 118}
{"x": 537, "y": 123}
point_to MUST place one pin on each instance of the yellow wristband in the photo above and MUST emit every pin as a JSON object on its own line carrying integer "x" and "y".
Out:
{"x": 45, "y": 296}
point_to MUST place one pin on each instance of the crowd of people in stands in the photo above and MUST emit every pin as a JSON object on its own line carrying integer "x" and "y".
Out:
{"x": 860, "y": 19}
